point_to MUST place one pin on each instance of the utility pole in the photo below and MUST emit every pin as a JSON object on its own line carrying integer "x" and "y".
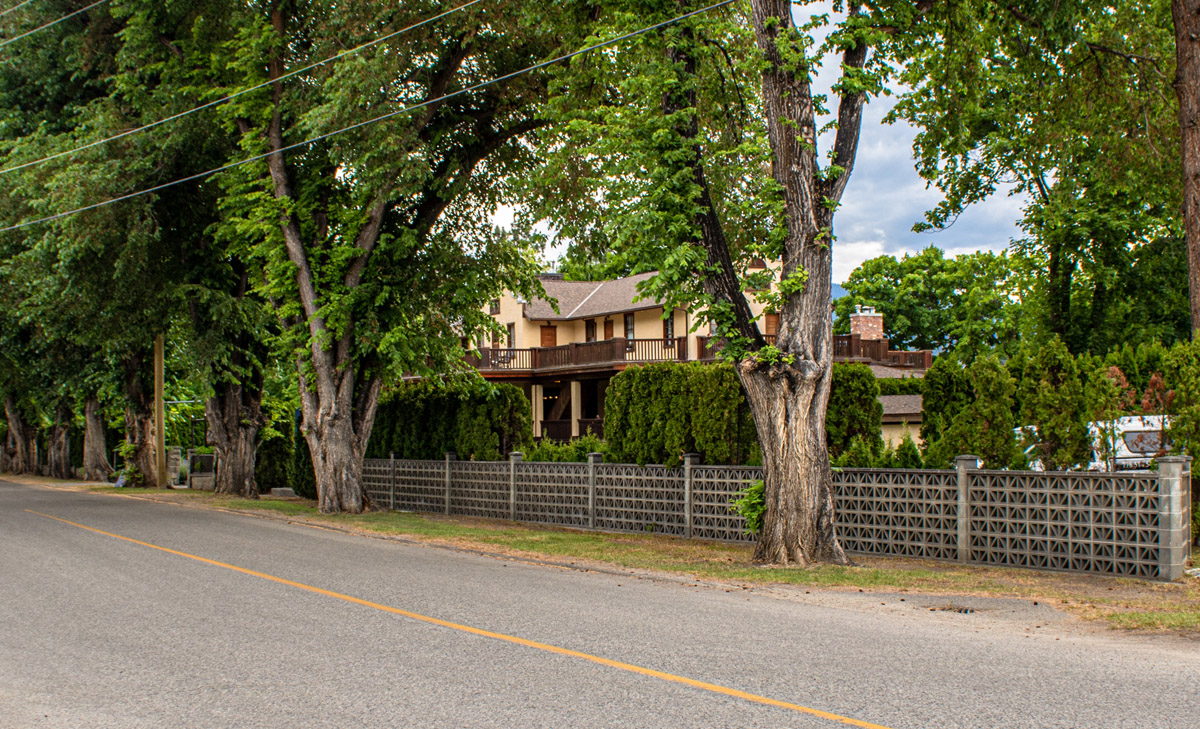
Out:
{"x": 160, "y": 426}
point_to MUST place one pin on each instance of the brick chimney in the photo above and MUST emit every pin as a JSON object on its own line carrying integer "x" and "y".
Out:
{"x": 866, "y": 322}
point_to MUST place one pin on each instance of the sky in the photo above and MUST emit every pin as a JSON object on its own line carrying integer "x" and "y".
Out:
{"x": 886, "y": 196}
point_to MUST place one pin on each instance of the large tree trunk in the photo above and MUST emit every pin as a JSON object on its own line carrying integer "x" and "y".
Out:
{"x": 788, "y": 405}
{"x": 337, "y": 430}
{"x": 95, "y": 451}
{"x": 58, "y": 446}
{"x": 788, "y": 393}
{"x": 1186, "y": 14}
{"x": 234, "y": 417}
{"x": 20, "y": 442}
{"x": 139, "y": 431}
{"x": 139, "y": 423}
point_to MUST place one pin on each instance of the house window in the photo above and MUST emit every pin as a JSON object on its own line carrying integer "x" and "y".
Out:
{"x": 494, "y": 306}
{"x": 512, "y": 335}
{"x": 669, "y": 329}
{"x": 629, "y": 326}
{"x": 495, "y": 340}
{"x": 589, "y": 330}
{"x": 772, "y": 324}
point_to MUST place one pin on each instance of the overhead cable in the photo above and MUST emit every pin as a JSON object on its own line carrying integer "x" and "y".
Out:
{"x": 14, "y": 8}
{"x": 359, "y": 125}
{"x": 68, "y": 16}
{"x": 223, "y": 99}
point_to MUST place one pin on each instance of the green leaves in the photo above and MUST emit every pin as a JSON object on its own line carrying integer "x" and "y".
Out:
{"x": 972, "y": 302}
{"x": 656, "y": 413}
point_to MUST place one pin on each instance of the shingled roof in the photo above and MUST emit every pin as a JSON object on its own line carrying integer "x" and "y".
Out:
{"x": 902, "y": 408}
{"x": 588, "y": 299}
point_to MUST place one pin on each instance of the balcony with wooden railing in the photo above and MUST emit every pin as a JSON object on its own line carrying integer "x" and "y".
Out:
{"x": 847, "y": 348}
{"x": 619, "y": 352}
{"x": 582, "y": 355}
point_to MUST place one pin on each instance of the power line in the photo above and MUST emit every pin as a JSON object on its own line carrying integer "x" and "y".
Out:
{"x": 16, "y": 38}
{"x": 236, "y": 94}
{"x": 359, "y": 125}
{"x": 14, "y": 8}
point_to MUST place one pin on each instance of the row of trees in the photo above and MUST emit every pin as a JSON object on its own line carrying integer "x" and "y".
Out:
{"x": 346, "y": 237}
{"x": 1037, "y": 405}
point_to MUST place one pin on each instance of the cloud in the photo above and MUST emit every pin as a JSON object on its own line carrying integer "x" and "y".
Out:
{"x": 886, "y": 196}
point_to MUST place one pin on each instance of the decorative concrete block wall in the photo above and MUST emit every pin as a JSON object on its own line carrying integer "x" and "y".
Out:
{"x": 1134, "y": 524}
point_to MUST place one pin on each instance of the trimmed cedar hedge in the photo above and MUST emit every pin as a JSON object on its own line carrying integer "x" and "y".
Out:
{"x": 477, "y": 421}
{"x": 657, "y": 412}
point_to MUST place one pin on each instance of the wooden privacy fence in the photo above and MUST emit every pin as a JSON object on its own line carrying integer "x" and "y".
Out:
{"x": 1135, "y": 524}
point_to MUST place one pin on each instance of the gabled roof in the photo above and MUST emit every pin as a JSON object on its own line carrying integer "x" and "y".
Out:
{"x": 898, "y": 408}
{"x": 588, "y": 299}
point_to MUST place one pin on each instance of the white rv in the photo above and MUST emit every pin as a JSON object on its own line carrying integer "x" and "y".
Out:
{"x": 1128, "y": 443}
{"x": 1123, "y": 444}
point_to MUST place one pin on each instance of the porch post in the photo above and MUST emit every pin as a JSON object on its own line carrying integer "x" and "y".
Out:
{"x": 536, "y": 400}
{"x": 576, "y": 406}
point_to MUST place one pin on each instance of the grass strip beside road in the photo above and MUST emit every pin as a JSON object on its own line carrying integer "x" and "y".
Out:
{"x": 1122, "y": 603}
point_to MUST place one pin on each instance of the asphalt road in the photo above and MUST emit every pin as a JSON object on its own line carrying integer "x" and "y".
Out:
{"x": 99, "y": 631}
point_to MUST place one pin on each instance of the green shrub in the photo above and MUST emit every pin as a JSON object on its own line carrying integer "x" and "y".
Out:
{"x": 946, "y": 390}
{"x": 751, "y": 504}
{"x": 860, "y": 454}
{"x": 854, "y": 410}
{"x": 301, "y": 476}
{"x": 658, "y": 412}
{"x": 271, "y": 469}
{"x": 1052, "y": 405}
{"x": 900, "y": 386}
{"x": 426, "y": 419}
{"x": 984, "y": 427}
{"x": 1182, "y": 376}
{"x": 575, "y": 450}
{"x": 908, "y": 454}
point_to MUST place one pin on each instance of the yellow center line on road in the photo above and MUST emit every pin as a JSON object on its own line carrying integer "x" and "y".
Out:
{"x": 711, "y": 687}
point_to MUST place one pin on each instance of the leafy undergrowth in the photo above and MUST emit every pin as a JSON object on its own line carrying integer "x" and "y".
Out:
{"x": 1119, "y": 602}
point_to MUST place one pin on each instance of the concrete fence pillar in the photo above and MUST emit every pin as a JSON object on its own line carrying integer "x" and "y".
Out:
{"x": 449, "y": 457}
{"x": 690, "y": 461}
{"x": 964, "y": 464}
{"x": 513, "y": 459}
{"x": 593, "y": 460}
{"x": 1174, "y": 528}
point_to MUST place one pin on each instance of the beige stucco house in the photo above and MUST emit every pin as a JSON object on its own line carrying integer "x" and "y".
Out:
{"x": 564, "y": 357}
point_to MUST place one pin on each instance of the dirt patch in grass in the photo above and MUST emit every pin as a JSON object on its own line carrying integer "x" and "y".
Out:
{"x": 1123, "y": 603}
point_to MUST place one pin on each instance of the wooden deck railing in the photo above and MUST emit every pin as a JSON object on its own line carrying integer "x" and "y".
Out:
{"x": 584, "y": 354}
{"x": 846, "y": 348}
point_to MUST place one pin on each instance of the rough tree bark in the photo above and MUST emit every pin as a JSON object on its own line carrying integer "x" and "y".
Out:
{"x": 338, "y": 391}
{"x": 139, "y": 422}
{"x": 139, "y": 431}
{"x": 21, "y": 440}
{"x": 234, "y": 416}
{"x": 95, "y": 451}
{"x": 1186, "y": 16}
{"x": 788, "y": 396}
{"x": 58, "y": 446}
